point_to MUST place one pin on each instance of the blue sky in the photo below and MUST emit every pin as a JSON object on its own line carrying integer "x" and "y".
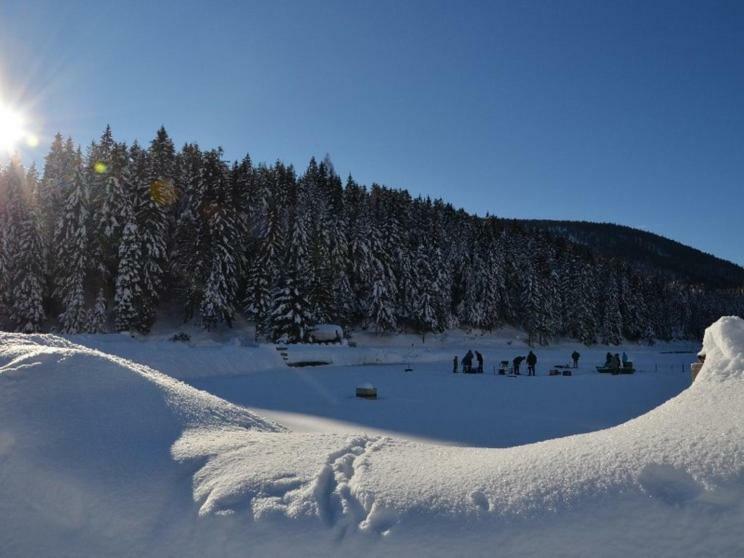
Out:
{"x": 620, "y": 111}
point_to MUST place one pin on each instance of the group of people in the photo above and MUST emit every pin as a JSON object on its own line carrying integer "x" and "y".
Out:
{"x": 615, "y": 361}
{"x": 467, "y": 363}
{"x": 531, "y": 359}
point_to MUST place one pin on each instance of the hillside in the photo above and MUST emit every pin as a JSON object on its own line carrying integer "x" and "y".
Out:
{"x": 647, "y": 251}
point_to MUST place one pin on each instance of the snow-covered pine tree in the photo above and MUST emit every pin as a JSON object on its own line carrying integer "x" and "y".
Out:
{"x": 381, "y": 306}
{"x": 612, "y": 320}
{"x": 290, "y": 316}
{"x": 632, "y": 305}
{"x": 96, "y": 165}
{"x": 72, "y": 242}
{"x": 57, "y": 179}
{"x": 219, "y": 293}
{"x": 360, "y": 252}
{"x": 257, "y": 302}
{"x": 269, "y": 245}
{"x": 536, "y": 302}
{"x": 152, "y": 228}
{"x": 473, "y": 309}
{"x": 339, "y": 263}
{"x": 425, "y": 317}
{"x": 495, "y": 289}
{"x": 128, "y": 286}
{"x": 161, "y": 176}
{"x": 108, "y": 214}
{"x": 23, "y": 257}
{"x": 382, "y": 296}
{"x": 98, "y": 317}
{"x": 187, "y": 255}
{"x": 321, "y": 272}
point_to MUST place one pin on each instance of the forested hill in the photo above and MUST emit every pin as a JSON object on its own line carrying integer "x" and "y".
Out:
{"x": 107, "y": 238}
{"x": 646, "y": 250}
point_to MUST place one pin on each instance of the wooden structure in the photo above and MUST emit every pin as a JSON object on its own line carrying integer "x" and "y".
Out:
{"x": 366, "y": 391}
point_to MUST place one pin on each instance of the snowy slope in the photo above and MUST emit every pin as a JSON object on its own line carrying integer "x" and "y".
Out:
{"x": 102, "y": 456}
{"x": 85, "y": 468}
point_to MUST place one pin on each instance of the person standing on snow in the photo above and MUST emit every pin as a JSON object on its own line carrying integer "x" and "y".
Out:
{"x": 517, "y": 362}
{"x": 479, "y": 358}
{"x": 575, "y": 356}
{"x": 454, "y": 365}
{"x": 531, "y": 362}
{"x": 467, "y": 362}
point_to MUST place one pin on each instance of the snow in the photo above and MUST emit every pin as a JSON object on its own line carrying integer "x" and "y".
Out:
{"x": 202, "y": 357}
{"x": 101, "y": 455}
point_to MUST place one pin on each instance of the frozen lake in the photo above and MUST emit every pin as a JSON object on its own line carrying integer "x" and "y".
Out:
{"x": 434, "y": 404}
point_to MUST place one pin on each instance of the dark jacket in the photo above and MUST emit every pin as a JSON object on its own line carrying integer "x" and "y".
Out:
{"x": 531, "y": 359}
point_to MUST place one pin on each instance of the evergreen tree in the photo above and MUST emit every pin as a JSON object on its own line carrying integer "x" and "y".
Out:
{"x": 221, "y": 242}
{"x": 109, "y": 212}
{"x": 72, "y": 246}
{"x": 98, "y": 318}
{"x": 611, "y": 318}
{"x": 290, "y": 314}
{"x": 22, "y": 264}
{"x": 152, "y": 228}
{"x": 128, "y": 289}
{"x": 425, "y": 311}
{"x": 269, "y": 245}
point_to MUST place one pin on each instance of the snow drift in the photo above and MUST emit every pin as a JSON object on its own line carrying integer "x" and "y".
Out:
{"x": 101, "y": 456}
{"x": 667, "y": 483}
{"x": 85, "y": 468}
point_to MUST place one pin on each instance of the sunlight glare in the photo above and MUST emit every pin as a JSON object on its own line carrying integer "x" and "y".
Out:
{"x": 13, "y": 130}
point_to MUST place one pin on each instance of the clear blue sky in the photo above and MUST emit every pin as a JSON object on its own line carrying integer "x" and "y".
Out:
{"x": 621, "y": 111}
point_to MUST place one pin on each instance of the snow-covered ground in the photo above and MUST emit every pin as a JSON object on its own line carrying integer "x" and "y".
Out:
{"x": 104, "y": 452}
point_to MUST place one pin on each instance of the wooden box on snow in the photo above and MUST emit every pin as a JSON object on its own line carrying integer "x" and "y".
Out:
{"x": 366, "y": 391}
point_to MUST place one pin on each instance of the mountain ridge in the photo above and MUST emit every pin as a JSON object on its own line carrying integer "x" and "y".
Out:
{"x": 645, "y": 249}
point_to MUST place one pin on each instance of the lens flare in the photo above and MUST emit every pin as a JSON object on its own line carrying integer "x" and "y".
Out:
{"x": 163, "y": 192}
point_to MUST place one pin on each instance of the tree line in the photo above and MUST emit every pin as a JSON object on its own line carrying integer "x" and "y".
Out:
{"x": 104, "y": 240}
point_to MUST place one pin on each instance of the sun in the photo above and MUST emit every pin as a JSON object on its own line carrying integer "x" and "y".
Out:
{"x": 13, "y": 130}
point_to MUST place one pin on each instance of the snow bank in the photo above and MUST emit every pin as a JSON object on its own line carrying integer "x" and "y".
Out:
{"x": 85, "y": 467}
{"x": 723, "y": 347}
{"x": 667, "y": 483}
{"x": 101, "y": 456}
